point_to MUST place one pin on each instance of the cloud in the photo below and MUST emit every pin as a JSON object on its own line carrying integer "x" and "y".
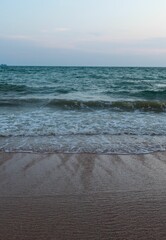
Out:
{"x": 16, "y": 37}
{"x": 62, "y": 29}
{"x": 95, "y": 34}
{"x": 105, "y": 44}
{"x": 17, "y": 50}
{"x": 159, "y": 43}
{"x": 56, "y": 30}
{"x": 30, "y": 55}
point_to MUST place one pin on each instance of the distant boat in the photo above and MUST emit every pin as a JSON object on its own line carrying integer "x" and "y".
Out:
{"x": 3, "y": 65}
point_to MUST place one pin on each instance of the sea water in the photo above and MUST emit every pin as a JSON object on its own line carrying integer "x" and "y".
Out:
{"x": 82, "y": 109}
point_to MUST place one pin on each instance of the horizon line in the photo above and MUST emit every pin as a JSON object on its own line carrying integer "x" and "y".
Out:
{"x": 90, "y": 66}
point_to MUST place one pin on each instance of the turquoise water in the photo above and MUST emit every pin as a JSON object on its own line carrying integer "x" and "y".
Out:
{"x": 82, "y": 109}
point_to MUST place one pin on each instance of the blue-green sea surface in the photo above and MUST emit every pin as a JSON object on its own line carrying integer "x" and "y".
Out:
{"x": 82, "y": 109}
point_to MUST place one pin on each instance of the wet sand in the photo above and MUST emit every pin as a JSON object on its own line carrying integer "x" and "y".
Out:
{"x": 82, "y": 196}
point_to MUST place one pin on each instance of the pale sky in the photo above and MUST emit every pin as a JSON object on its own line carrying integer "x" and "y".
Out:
{"x": 83, "y": 32}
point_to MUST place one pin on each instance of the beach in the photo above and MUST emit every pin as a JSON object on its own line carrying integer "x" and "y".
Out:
{"x": 82, "y": 196}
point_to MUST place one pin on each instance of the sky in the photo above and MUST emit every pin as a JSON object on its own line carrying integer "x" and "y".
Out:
{"x": 83, "y": 32}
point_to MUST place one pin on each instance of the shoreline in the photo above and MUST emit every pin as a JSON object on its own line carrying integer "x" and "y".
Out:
{"x": 82, "y": 196}
{"x": 82, "y": 153}
{"x": 106, "y": 145}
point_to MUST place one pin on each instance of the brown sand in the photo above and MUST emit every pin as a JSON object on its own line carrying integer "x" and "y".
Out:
{"x": 82, "y": 196}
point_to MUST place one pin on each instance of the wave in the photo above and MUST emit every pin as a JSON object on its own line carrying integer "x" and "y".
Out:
{"x": 18, "y": 89}
{"x": 6, "y": 87}
{"x": 151, "y": 94}
{"x": 116, "y": 105}
{"x": 70, "y": 104}
{"x": 143, "y": 94}
{"x": 21, "y": 88}
{"x": 79, "y": 134}
{"x": 10, "y": 102}
{"x": 83, "y": 144}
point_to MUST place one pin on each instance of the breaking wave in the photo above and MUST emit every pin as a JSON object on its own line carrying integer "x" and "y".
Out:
{"x": 66, "y": 104}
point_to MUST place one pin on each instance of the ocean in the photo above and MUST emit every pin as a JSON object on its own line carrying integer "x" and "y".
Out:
{"x": 105, "y": 110}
